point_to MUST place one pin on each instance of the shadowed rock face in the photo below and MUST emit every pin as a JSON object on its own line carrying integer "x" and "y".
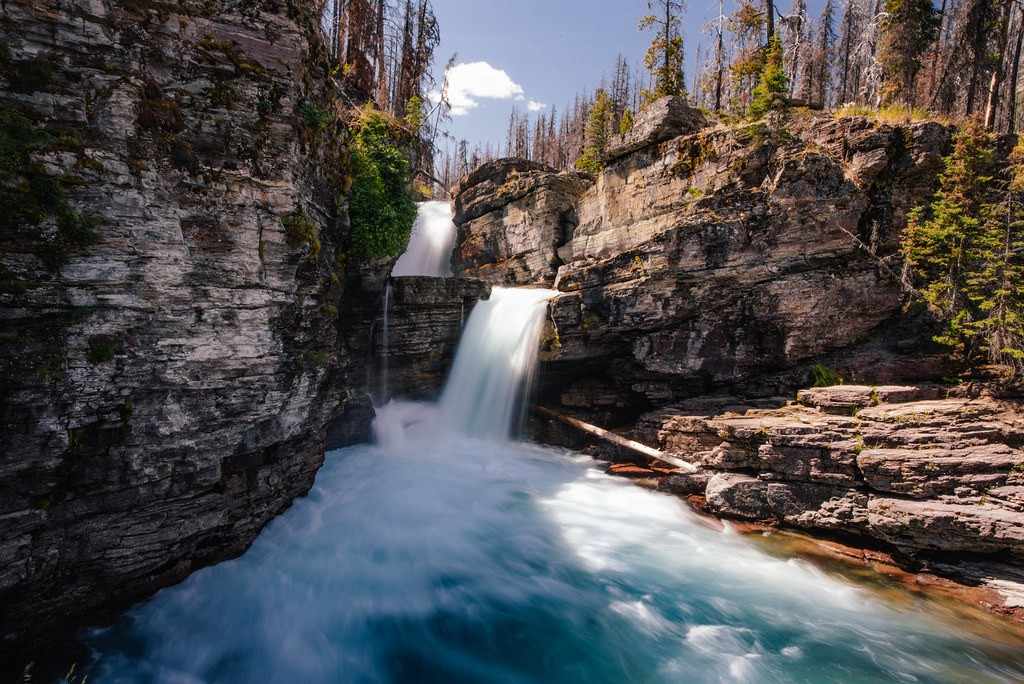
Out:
{"x": 734, "y": 256}
{"x": 165, "y": 388}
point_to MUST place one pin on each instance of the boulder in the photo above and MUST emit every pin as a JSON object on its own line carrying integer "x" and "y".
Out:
{"x": 661, "y": 120}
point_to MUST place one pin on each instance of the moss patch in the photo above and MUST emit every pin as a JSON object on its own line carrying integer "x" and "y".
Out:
{"x": 302, "y": 230}
{"x": 35, "y": 202}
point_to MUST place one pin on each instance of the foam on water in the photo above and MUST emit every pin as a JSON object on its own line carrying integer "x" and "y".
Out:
{"x": 438, "y": 557}
{"x": 430, "y": 246}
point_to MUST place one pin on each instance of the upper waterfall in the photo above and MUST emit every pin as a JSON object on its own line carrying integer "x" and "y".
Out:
{"x": 430, "y": 246}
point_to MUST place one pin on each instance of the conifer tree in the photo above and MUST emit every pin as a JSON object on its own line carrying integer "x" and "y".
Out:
{"x": 940, "y": 245}
{"x": 596, "y": 134}
{"x": 995, "y": 286}
{"x": 909, "y": 28}
{"x": 771, "y": 89}
{"x": 664, "y": 58}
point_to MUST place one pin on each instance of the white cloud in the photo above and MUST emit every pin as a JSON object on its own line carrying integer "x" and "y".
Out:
{"x": 535, "y": 106}
{"x": 470, "y": 82}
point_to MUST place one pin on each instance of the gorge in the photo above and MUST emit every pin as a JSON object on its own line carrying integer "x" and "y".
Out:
{"x": 239, "y": 441}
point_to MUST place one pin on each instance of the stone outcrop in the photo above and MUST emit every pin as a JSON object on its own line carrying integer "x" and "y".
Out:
{"x": 730, "y": 257}
{"x": 512, "y": 216}
{"x": 170, "y": 346}
{"x": 921, "y": 475}
{"x": 425, "y": 320}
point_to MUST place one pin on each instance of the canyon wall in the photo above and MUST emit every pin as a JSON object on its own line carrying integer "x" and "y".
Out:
{"x": 707, "y": 257}
{"x": 169, "y": 291}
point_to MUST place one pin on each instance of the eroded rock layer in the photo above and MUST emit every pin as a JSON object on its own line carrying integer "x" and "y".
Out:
{"x": 718, "y": 256}
{"x": 169, "y": 343}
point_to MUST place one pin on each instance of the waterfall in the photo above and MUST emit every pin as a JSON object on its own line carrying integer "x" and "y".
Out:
{"x": 430, "y": 245}
{"x": 494, "y": 362}
{"x": 384, "y": 343}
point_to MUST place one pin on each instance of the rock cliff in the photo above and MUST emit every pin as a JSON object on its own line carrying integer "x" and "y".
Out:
{"x": 169, "y": 291}
{"x": 702, "y": 257}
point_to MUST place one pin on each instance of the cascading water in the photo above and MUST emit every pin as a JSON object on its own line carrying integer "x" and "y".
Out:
{"x": 385, "y": 334}
{"x": 430, "y": 245}
{"x": 494, "y": 362}
{"x": 448, "y": 553}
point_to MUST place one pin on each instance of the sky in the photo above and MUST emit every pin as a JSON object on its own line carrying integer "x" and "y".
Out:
{"x": 548, "y": 50}
{"x": 535, "y": 54}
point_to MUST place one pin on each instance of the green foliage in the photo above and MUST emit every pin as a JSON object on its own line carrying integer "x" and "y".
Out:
{"x": 664, "y": 58}
{"x": 772, "y": 85}
{"x": 626, "y": 122}
{"x": 314, "y": 118}
{"x": 380, "y": 205}
{"x": 823, "y": 376}
{"x": 35, "y": 203}
{"x": 302, "y": 230}
{"x": 908, "y": 29}
{"x": 414, "y": 115}
{"x": 965, "y": 250}
{"x": 596, "y": 134}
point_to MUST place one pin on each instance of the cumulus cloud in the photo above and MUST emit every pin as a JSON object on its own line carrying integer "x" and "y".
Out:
{"x": 535, "y": 106}
{"x": 470, "y": 82}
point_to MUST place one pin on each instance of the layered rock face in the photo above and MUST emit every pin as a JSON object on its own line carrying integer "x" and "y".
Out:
{"x": 725, "y": 256}
{"x": 906, "y": 466}
{"x": 169, "y": 344}
{"x": 409, "y": 350}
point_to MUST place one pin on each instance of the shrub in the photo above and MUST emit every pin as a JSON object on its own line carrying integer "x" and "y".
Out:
{"x": 380, "y": 205}
{"x": 824, "y": 376}
{"x": 772, "y": 85}
{"x": 299, "y": 229}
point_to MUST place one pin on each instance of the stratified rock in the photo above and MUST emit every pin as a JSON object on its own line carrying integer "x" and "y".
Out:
{"x": 512, "y": 215}
{"x": 802, "y": 505}
{"x": 845, "y": 399}
{"x": 166, "y": 384}
{"x": 956, "y": 465}
{"x": 943, "y": 526}
{"x": 661, "y": 120}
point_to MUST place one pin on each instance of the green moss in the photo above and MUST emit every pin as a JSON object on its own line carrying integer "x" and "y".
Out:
{"x": 874, "y": 397}
{"x": 823, "y": 376}
{"x": 102, "y": 349}
{"x": 302, "y": 230}
{"x": 317, "y": 359}
{"x": 35, "y": 202}
{"x": 313, "y": 117}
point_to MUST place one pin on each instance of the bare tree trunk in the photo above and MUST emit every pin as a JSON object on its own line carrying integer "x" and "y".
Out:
{"x": 1012, "y": 126}
{"x": 770, "y": 18}
{"x": 997, "y": 73}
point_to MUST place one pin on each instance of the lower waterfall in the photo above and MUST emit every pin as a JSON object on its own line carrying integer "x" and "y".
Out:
{"x": 447, "y": 552}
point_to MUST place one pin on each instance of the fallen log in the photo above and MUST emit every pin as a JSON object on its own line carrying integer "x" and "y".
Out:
{"x": 618, "y": 440}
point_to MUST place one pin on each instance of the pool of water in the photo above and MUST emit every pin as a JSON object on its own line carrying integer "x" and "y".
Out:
{"x": 439, "y": 558}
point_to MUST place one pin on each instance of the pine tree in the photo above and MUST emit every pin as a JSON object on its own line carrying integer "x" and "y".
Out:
{"x": 626, "y": 122}
{"x": 596, "y": 136}
{"x": 664, "y": 58}
{"x": 995, "y": 286}
{"x": 939, "y": 245}
{"x": 771, "y": 89}
{"x": 909, "y": 28}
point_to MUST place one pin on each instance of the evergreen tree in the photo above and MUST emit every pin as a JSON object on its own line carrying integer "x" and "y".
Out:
{"x": 995, "y": 286}
{"x": 941, "y": 243}
{"x": 664, "y": 58}
{"x": 626, "y": 122}
{"x": 771, "y": 89}
{"x": 909, "y": 28}
{"x": 596, "y": 134}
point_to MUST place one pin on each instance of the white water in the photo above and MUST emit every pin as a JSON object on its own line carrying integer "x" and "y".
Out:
{"x": 430, "y": 246}
{"x": 495, "y": 363}
{"x": 448, "y": 553}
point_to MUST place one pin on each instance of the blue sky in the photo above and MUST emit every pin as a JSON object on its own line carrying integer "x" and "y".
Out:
{"x": 550, "y": 50}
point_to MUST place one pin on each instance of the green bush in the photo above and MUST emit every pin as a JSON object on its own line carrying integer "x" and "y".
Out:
{"x": 299, "y": 229}
{"x": 824, "y": 376}
{"x": 380, "y": 205}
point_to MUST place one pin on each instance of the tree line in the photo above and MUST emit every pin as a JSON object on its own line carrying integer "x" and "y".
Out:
{"x": 953, "y": 59}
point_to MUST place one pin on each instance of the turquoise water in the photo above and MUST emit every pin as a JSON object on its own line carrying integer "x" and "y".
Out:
{"x": 434, "y": 558}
